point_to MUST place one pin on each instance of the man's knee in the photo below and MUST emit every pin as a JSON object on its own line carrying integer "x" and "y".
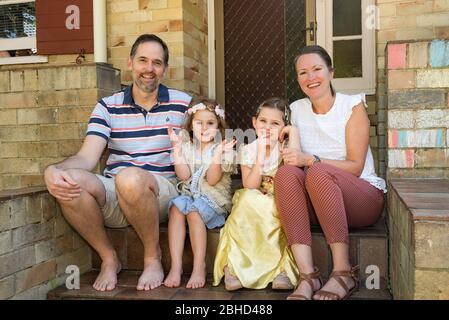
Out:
{"x": 135, "y": 182}
{"x": 89, "y": 184}
{"x": 79, "y": 176}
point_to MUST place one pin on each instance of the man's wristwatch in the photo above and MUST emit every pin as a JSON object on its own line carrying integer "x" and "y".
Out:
{"x": 315, "y": 159}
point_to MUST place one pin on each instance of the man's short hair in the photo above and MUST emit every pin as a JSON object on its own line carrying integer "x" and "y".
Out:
{"x": 150, "y": 38}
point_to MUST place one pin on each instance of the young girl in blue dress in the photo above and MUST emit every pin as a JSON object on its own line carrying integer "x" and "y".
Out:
{"x": 204, "y": 164}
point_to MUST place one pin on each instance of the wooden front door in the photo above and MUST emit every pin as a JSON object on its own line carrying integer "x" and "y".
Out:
{"x": 260, "y": 41}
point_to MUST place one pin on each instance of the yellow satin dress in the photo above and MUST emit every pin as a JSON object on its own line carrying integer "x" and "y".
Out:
{"x": 252, "y": 243}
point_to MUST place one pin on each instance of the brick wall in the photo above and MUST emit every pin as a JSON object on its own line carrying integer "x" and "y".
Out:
{"x": 418, "y": 222}
{"x": 181, "y": 24}
{"x": 410, "y": 21}
{"x": 43, "y": 116}
{"x": 418, "y": 109}
{"x": 36, "y": 245}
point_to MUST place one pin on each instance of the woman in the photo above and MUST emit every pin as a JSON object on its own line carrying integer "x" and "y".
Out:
{"x": 329, "y": 180}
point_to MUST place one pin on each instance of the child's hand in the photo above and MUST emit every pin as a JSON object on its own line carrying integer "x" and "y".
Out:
{"x": 285, "y": 132}
{"x": 262, "y": 143}
{"x": 224, "y": 147}
{"x": 176, "y": 139}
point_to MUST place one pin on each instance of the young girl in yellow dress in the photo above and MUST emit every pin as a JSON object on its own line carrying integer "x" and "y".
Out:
{"x": 253, "y": 250}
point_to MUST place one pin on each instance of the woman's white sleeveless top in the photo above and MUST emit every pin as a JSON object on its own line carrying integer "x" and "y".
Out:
{"x": 325, "y": 134}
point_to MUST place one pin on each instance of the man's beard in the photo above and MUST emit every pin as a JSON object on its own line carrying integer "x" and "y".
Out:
{"x": 148, "y": 88}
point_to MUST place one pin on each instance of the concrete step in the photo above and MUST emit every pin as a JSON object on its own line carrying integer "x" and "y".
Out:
{"x": 127, "y": 281}
{"x": 368, "y": 246}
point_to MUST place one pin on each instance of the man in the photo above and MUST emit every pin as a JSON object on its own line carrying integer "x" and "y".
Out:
{"x": 139, "y": 178}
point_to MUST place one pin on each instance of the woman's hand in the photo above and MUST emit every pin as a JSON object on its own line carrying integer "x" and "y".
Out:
{"x": 294, "y": 157}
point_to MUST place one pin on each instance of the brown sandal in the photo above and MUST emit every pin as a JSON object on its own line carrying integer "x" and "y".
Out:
{"x": 307, "y": 277}
{"x": 337, "y": 275}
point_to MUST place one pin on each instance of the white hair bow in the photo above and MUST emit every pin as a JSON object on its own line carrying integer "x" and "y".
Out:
{"x": 201, "y": 106}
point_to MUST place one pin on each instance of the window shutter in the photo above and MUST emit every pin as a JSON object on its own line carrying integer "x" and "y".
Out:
{"x": 64, "y": 26}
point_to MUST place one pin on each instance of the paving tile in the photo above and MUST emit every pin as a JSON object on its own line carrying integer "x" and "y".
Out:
{"x": 161, "y": 293}
{"x": 86, "y": 291}
{"x": 89, "y": 277}
{"x": 257, "y": 295}
{"x": 365, "y": 294}
{"x": 190, "y": 294}
{"x": 127, "y": 279}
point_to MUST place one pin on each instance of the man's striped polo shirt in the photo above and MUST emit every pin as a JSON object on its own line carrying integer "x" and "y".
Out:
{"x": 136, "y": 137}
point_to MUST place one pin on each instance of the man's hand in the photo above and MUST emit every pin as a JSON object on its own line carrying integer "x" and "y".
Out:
{"x": 60, "y": 184}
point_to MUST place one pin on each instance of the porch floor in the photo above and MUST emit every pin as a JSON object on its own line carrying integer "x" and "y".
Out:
{"x": 127, "y": 281}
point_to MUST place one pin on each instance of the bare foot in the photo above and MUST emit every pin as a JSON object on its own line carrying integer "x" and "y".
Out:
{"x": 334, "y": 287}
{"x": 305, "y": 290}
{"x": 152, "y": 275}
{"x": 197, "y": 279}
{"x": 107, "y": 279}
{"x": 173, "y": 279}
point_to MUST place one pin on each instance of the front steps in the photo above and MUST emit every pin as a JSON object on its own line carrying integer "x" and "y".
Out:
{"x": 368, "y": 247}
{"x": 126, "y": 290}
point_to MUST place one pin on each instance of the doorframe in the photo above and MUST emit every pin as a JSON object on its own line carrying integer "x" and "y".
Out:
{"x": 216, "y": 77}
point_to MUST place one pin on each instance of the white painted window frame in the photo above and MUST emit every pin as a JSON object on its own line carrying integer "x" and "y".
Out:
{"x": 367, "y": 83}
{"x": 19, "y": 44}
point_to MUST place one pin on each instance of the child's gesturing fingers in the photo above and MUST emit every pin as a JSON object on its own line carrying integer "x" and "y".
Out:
{"x": 228, "y": 146}
{"x": 174, "y": 138}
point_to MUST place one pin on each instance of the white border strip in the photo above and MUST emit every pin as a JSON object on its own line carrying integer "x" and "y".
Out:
{"x": 211, "y": 48}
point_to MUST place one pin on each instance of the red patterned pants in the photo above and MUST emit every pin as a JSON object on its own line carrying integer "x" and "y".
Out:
{"x": 328, "y": 196}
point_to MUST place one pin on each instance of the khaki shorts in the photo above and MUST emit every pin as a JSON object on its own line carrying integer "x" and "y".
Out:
{"x": 113, "y": 215}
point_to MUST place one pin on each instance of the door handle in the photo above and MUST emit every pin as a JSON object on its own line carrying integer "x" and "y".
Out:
{"x": 311, "y": 29}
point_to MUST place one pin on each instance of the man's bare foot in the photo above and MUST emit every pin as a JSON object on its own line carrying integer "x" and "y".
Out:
{"x": 173, "y": 279}
{"x": 152, "y": 275}
{"x": 107, "y": 279}
{"x": 197, "y": 279}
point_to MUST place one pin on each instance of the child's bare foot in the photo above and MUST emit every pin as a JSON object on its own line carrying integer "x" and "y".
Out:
{"x": 173, "y": 279}
{"x": 197, "y": 279}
